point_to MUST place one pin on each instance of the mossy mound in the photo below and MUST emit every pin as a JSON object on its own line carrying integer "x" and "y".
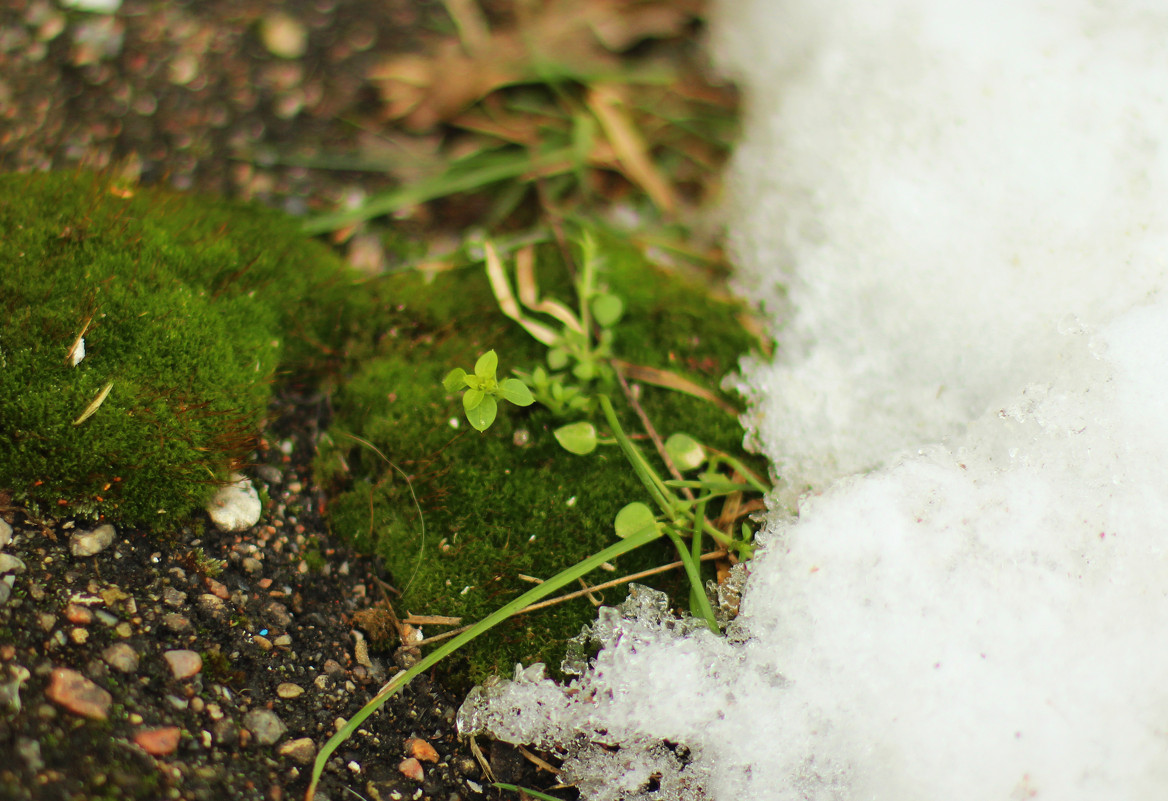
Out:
{"x": 188, "y": 306}
{"x": 510, "y": 501}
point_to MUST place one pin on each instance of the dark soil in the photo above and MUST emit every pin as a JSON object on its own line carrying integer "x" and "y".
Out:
{"x": 187, "y": 94}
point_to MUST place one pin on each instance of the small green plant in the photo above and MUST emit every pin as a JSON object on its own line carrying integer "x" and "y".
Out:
{"x": 582, "y": 365}
{"x": 483, "y": 392}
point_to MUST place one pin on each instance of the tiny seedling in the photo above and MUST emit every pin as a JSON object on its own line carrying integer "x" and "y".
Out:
{"x": 483, "y": 392}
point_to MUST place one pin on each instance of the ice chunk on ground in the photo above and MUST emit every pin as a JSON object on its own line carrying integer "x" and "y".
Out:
{"x": 957, "y": 215}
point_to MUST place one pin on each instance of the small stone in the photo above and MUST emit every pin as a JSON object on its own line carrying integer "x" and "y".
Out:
{"x": 120, "y": 656}
{"x": 283, "y": 36}
{"x": 5, "y": 592}
{"x": 173, "y": 597}
{"x": 301, "y": 751}
{"x": 79, "y": 636}
{"x": 159, "y": 742}
{"x": 183, "y": 663}
{"x": 288, "y": 690}
{"x": 213, "y": 605}
{"x": 10, "y": 564}
{"x": 265, "y": 725}
{"x": 71, "y": 690}
{"x": 75, "y": 613}
{"x": 252, "y": 565}
{"x": 263, "y": 642}
{"x": 5, "y": 533}
{"x": 218, "y": 589}
{"x": 10, "y": 690}
{"x": 89, "y": 543}
{"x": 422, "y": 750}
{"x": 175, "y": 622}
{"x": 123, "y": 630}
{"x": 235, "y": 507}
{"x": 284, "y": 640}
{"x": 278, "y": 614}
{"x": 412, "y": 769}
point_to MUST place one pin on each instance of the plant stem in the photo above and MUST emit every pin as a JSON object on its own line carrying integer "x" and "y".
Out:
{"x": 695, "y": 580}
{"x": 556, "y": 582}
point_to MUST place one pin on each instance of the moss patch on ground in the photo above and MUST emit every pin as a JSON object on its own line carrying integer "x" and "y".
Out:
{"x": 189, "y": 308}
{"x": 510, "y": 501}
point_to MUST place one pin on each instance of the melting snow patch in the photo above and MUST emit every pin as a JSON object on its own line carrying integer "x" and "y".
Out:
{"x": 957, "y": 214}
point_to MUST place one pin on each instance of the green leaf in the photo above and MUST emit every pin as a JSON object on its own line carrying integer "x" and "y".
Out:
{"x": 486, "y": 365}
{"x": 483, "y": 415}
{"x": 578, "y": 438}
{"x": 585, "y": 371}
{"x": 514, "y": 390}
{"x": 607, "y": 309}
{"x": 557, "y": 358}
{"x": 685, "y": 451}
{"x": 633, "y": 519}
{"x": 473, "y": 398}
{"x": 455, "y": 380}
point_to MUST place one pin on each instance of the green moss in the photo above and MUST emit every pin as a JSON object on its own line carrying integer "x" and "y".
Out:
{"x": 189, "y": 308}
{"x": 497, "y": 505}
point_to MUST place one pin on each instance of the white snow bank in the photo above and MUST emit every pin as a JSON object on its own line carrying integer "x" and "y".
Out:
{"x": 956, "y": 213}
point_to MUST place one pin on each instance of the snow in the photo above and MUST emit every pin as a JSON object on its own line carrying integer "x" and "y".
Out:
{"x": 955, "y": 215}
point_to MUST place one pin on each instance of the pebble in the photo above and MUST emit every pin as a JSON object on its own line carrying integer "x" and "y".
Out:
{"x": 79, "y": 636}
{"x": 75, "y": 613}
{"x": 175, "y": 622}
{"x": 265, "y": 725}
{"x": 159, "y": 742}
{"x": 301, "y": 750}
{"x": 278, "y": 614}
{"x": 5, "y": 533}
{"x": 412, "y": 769}
{"x": 173, "y": 597}
{"x": 235, "y": 507}
{"x": 252, "y": 565}
{"x": 218, "y": 589}
{"x": 120, "y": 656}
{"x": 422, "y": 750}
{"x": 283, "y": 36}
{"x": 10, "y": 690}
{"x": 213, "y": 605}
{"x": 288, "y": 690}
{"x": 89, "y": 543}
{"x": 74, "y": 692}
{"x": 5, "y": 592}
{"x": 183, "y": 663}
{"x": 10, "y": 564}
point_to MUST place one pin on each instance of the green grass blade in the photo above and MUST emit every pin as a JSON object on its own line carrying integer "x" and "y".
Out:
{"x": 452, "y": 182}
{"x": 533, "y": 595}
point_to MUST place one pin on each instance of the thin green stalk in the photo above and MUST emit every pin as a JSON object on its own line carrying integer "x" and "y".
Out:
{"x": 695, "y": 550}
{"x": 533, "y": 595}
{"x": 533, "y": 793}
{"x": 441, "y": 186}
{"x": 648, "y": 476}
{"x": 695, "y": 580}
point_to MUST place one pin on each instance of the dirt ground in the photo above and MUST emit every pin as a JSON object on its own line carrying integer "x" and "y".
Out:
{"x": 96, "y": 700}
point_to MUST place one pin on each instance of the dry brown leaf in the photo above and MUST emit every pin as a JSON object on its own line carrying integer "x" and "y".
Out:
{"x": 607, "y": 104}
{"x": 579, "y": 37}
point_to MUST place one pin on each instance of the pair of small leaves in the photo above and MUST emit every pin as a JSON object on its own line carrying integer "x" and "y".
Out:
{"x": 483, "y": 391}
